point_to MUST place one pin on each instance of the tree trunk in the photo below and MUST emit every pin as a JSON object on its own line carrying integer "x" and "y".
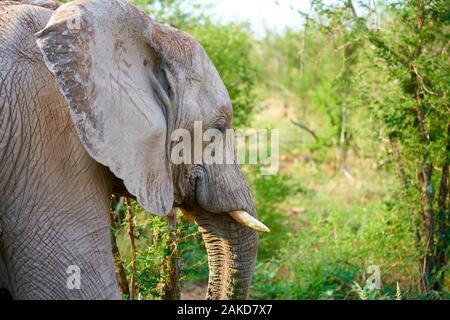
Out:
{"x": 132, "y": 248}
{"x": 172, "y": 288}
{"x": 344, "y": 135}
{"x": 406, "y": 185}
{"x": 398, "y": 161}
{"x": 442, "y": 218}
{"x": 425, "y": 178}
{"x": 120, "y": 270}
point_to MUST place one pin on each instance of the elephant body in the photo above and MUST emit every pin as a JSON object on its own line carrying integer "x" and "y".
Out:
{"x": 88, "y": 112}
{"x": 42, "y": 165}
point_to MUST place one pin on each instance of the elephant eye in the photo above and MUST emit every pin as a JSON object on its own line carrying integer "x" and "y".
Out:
{"x": 221, "y": 128}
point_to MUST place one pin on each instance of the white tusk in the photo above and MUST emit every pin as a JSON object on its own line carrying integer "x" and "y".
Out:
{"x": 247, "y": 220}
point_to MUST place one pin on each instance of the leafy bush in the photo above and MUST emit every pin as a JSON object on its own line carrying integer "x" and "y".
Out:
{"x": 323, "y": 260}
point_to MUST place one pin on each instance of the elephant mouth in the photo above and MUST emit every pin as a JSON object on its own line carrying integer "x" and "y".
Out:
{"x": 198, "y": 190}
{"x": 230, "y": 235}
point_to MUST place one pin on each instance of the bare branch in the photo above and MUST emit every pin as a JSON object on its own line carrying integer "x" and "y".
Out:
{"x": 131, "y": 236}
{"x": 120, "y": 270}
{"x": 302, "y": 126}
{"x": 352, "y": 8}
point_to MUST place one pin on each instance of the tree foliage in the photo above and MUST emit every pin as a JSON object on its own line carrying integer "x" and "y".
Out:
{"x": 411, "y": 100}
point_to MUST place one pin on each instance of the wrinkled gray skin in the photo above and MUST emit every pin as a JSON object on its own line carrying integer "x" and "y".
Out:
{"x": 88, "y": 96}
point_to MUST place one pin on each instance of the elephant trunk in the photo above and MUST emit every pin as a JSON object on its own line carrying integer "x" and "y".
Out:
{"x": 232, "y": 251}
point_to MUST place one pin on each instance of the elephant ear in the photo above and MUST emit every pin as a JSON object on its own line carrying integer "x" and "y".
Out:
{"x": 115, "y": 66}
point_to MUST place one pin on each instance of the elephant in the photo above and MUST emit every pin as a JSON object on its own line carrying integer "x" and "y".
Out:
{"x": 90, "y": 92}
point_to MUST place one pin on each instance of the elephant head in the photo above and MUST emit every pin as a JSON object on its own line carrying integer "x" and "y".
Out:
{"x": 130, "y": 82}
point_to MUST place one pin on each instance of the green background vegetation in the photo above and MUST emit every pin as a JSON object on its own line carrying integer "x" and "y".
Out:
{"x": 365, "y": 184}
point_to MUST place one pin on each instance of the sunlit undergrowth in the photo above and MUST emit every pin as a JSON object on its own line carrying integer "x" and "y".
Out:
{"x": 329, "y": 247}
{"x": 329, "y": 230}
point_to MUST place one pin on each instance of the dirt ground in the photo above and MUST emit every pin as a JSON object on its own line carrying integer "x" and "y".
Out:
{"x": 196, "y": 291}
